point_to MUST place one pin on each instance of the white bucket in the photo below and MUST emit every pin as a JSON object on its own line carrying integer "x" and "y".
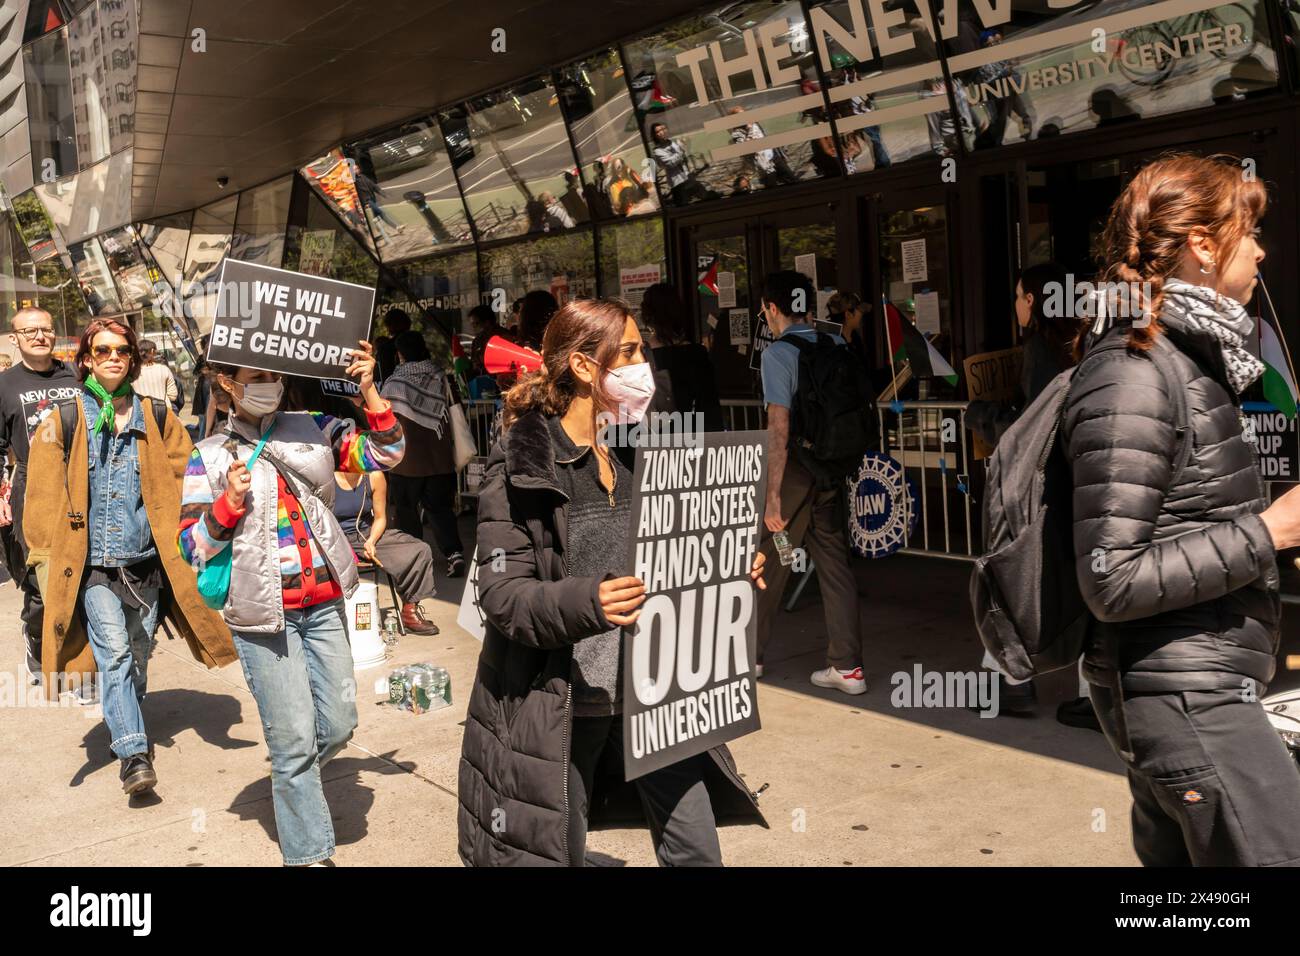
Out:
{"x": 363, "y": 627}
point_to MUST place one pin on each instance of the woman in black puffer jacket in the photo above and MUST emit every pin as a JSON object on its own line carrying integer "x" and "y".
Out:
{"x": 1174, "y": 537}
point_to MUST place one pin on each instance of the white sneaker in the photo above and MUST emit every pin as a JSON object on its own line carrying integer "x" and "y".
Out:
{"x": 850, "y": 683}
{"x": 758, "y": 670}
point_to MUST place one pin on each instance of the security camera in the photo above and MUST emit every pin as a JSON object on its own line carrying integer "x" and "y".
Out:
{"x": 223, "y": 182}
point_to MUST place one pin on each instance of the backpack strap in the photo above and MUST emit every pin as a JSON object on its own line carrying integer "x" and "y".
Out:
{"x": 1162, "y": 355}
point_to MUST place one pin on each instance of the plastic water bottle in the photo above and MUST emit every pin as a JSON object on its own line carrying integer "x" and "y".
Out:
{"x": 390, "y": 628}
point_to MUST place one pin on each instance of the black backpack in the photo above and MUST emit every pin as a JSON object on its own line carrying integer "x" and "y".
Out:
{"x": 833, "y": 422}
{"x": 1024, "y": 590}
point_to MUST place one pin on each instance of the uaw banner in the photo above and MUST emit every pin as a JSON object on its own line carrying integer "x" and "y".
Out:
{"x": 288, "y": 322}
{"x": 688, "y": 662}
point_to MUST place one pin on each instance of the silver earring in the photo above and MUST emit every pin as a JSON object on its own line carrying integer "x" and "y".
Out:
{"x": 1205, "y": 271}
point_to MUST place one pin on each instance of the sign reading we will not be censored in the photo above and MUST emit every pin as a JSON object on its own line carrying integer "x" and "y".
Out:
{"x": 688, "y": 662}
{"x": 288, "y": 322}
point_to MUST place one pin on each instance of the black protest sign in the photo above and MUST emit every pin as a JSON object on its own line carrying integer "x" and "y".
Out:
{"x": 288, "y": 322}
{"x": 763, "y": 337}
{"x": 688, "y": 662}
{"x": 1274, "y": 436}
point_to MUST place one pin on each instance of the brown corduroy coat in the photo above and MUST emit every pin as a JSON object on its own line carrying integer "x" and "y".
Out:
{"x": 58, "y": 539}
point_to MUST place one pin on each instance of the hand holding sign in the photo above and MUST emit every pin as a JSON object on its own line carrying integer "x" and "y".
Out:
{"x": 238, "y": 481}
{"x": 363, "y": 370}
{"x": 756, "y": 572}
{"x": 618, "y": 596}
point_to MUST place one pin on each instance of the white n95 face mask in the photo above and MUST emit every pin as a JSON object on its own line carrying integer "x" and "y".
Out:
{"x": 631, "y": 388}
{"x": 262, "y": 398}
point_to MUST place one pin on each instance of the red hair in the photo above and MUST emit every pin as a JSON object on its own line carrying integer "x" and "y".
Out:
{"x": 86, "y": 344}
{"x": 1167, "y": 201}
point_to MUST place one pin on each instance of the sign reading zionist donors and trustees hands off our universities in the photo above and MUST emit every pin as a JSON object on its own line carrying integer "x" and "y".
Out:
{"x": 688, "y": 662}
{"x": 288, "y": 322}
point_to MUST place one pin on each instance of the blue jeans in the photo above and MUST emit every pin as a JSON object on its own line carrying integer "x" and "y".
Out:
{"x": 302, "y": 681}
{"x": 121, "y": 638}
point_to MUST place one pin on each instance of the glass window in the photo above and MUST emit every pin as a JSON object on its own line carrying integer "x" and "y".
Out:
{"x": 93, "y": 200}
{"x": 728, "y": 100}
{"x": 101, "y": 53}
{"x": 438, "y": 289}
{"x": 42, "y": 17}
{"x": 35, "y": 227}
{"x": 333, "y": 177}
{"x": 927, "y": 303}
{"x": 562, "y": 265}
{"x": 885, "y": 85}
{"x": 127, "y": 263}
{"x": 617, "y": 179}
{"x": 165, "y": 239}
{"x": 632, "y": 259}
{"x": 1028, "y": 76}
{"x": 515, "y": 163}
{"x": 318, "y": 245}
{"x": 50, "y": 108}
{"x": 408, "y": 192}
{"x": 91, "y": 268}
{"x": 261, "y": 222}
{"x": 208, "y": 245}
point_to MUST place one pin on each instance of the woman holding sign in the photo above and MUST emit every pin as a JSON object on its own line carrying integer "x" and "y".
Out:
{"x": 546, "y": 708}
{"x": 290, "y": 569}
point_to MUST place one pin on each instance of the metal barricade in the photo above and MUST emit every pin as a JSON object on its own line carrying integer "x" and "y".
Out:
{"x": 479, "y": 414}
{"x": 744, "y": 414}
{"x": 930, "y": 441}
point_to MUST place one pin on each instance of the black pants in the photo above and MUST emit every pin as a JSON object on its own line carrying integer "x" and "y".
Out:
{"x": 15, "y": 557}
{"x": 407, "y": 559}
{"x": 675, "y": 799}
{"x": 1212, "y": 782}
{"x": 437, "y": 493}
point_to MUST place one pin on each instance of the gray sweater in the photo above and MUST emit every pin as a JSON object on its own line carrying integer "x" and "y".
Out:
{"x": 598, "y": 540}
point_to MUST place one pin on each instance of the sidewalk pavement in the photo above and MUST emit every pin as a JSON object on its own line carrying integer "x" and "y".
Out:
{"x": 846, "y": 781}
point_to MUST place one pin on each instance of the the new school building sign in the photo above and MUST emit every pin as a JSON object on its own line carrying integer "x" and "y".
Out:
{"x": 688, "y": 662}
{"x": 288, "y": 322}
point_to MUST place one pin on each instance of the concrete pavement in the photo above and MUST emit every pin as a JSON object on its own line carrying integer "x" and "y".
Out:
{"x": 846, "y": 781}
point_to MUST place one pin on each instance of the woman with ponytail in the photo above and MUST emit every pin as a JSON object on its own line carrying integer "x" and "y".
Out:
{"x": 545, "y": 712}
{"x": 1174, "y": 537}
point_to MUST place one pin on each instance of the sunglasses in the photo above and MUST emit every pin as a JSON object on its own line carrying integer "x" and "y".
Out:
{"x": 104, "y": 351}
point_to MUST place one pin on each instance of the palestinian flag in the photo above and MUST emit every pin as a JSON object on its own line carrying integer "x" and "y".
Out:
{"x": 709, "y": 280}
{"x": 658, "y": 100}
{"x": 1279, "y": 376}
{"x": 909, "y": 344}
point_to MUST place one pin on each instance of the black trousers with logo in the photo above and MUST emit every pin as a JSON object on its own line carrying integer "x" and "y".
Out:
{"x": 1213, "y": 784}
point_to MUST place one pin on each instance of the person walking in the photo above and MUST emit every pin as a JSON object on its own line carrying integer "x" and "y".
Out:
{"x": 547, "y": 698}
{"x": 807, "y": 514}
{"x": 291, "y": 570}
{"x": 103, "y": 504}
{"x": 422, "y": 394}
{"x": 29, "y": 391}
{"x": 155, "y": 380}
{"x": 1175, "y": 540}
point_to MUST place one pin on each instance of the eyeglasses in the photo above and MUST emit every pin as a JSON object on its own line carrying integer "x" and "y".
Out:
{"x": 104, "y": 351}
{"x": 30, "y": 334}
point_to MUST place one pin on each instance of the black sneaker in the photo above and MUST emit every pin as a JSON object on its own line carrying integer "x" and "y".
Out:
{"x": 1018, "y": 700}
{"x": 455, "y": 565}
{"x": 138, "y": 775}
{"x": 1078, "y": 713}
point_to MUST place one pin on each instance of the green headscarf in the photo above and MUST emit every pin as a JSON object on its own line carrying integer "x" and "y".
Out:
{"x": 107, "y": 416}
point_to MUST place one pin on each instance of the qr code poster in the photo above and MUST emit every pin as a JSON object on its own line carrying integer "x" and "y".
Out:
{"x": 740, "y": 331}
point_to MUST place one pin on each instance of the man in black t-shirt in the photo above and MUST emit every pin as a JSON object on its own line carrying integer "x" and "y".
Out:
{"x": 29, "y": 391}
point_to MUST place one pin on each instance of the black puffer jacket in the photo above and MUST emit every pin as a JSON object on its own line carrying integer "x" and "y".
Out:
{"x": 1179, "y": 571}
{"x": 515, "y": 756}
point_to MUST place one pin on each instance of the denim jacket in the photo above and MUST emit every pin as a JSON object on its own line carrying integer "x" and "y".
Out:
{"x": 117, "y": 523}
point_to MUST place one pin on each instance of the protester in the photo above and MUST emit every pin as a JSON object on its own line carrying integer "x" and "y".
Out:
{"x": 106, "y": 476}
{"x": 672, "y": 158}
{"x": 202, "y": 393}
{"x": 395, "y": 322}
{"x": 361, "y": 507}
{"x": 422, "y": 394}
{"x": 156, "y": 380}
{"x": 1005, "y": 100}
{"x": 555, "y": 505}
{"x": 1048, "y": 350}
{"x": 290, "y": 571}
{"x": 812, "y": 517}
{"x": 770, "y": 165}
{"x": 535, "y": 311}
{"x": 685, "y": 381}
{"x": 1174, "y": 537}
{"x": 29, "y": 391}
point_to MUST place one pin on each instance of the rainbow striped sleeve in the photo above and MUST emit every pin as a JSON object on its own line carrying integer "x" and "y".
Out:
{"x": 377, "y": 449}
{"x": 207, "y": 525}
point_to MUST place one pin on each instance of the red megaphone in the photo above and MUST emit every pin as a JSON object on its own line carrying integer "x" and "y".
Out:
{"x": 501, "y": 356}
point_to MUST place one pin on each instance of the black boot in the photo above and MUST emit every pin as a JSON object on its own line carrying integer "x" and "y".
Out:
{"x": 138, "y": 774}
{"x": 1078, "y": 713}
{"x": 1016, "y": 699}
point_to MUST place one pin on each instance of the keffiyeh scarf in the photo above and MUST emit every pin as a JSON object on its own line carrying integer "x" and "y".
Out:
{"x": 1217, "y": 315}
{"x": 418, "y": 391}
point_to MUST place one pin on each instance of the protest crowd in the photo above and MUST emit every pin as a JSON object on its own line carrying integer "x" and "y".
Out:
{"x": 245, "y": 522}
